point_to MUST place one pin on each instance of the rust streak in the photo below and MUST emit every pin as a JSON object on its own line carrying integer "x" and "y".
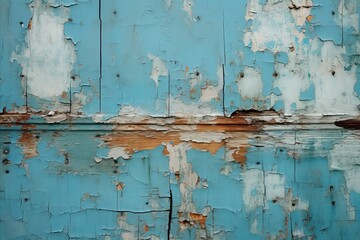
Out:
{"x": 349, "y": 123}
{"x": 28, "y": 142}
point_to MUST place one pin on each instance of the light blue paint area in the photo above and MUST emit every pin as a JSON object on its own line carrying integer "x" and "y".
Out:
{"x": 226, "y": 225}
{"x": 58, "y": 103}
{"x": 209, "y": 191}
{"x": 14, "y": 17}
{"x": 9, "y": 149}
{"x": 195, "y": 47}
{"x": 42, "y": 105}
{"x": 146, "y": 185}
{"x": 279, "y": 105}
{"x": 127, "y": 49}
{"x": 275, "y": 221}
{"x": 281, "y": 57}
{"x": 327, "y": 21}
{"x": 308, "y": 94}
{"x": 65, "y": 3}
{"x": 276, "y": 91}
{"x": 238, "y": 55}
{"x": 189, "y": 47}
{"x": 83, "y": 29}
{"x": 293, "y": 107}
{"x": 265, "y": 61}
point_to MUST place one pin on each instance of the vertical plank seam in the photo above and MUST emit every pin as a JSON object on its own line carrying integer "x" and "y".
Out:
{"x": 224, "y": 61}
{"x": 100, "y": 55}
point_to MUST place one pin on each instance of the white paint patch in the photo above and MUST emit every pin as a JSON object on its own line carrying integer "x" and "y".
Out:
{"x": 262, "y": 33}
{"x": 168, "y": 3}
{"x": 55, "y": 118}
{"x": 212, "y": 92}
{"x": 254, "y": 189}
{"x": 345, "y": 156}
{"x": 187, "y": 7}
{"x": 350, "y": 16}
{"x": 253, "y": 227}
{"x": 188, "y": 179}
{"x": 180, "y": 109}
{"x": 275, "y": 186}
{"x": 303, "y": 10}
{"x": 117, "y": 152}
{"x": 351, "y": 211}
{"x": 204, "y": 137}
{"x": 129, "y": 232}
{"x": 333, "y": 85}
{"x": 48, "y": 59}
{"x": 251, "y": 85}
{"x": 298, "y": 233}
{"x": 158, "y": 69}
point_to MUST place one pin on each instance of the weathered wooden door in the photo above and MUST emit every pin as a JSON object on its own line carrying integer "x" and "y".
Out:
{"x": 179, "y": 119}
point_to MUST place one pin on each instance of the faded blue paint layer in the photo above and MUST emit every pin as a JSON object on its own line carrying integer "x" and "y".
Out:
{"x": 14, "y": 18}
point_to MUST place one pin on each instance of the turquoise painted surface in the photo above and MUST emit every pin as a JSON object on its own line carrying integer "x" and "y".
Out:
{"x": 284, "y": 190}
{"x": 90, "y": 161}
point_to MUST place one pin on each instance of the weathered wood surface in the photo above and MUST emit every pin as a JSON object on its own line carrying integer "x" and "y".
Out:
{"x": 189, "y": 119}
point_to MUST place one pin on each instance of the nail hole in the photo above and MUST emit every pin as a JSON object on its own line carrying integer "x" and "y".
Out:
{"x": 7, "y": 171}
{"x": 6, "y": 151}
{"x": 333, "y": 72}
{"x": 115, "y": 161}
{"x": 333, "y": 12}
{"x": 333, "y": 203}
{"x": 21, "y": 23}
{"x": 5, "y": 161}
{"x": 257, "y": 163}
{"x": 331, "y": 187}
{"x": 242, "y": 75}
{"x": 117, "y": 75}
{"x": 26, "y": 199}
{"x": 275, "y": 74}
{"x": 197, "y": 74}
{"x": 114, "y": 12}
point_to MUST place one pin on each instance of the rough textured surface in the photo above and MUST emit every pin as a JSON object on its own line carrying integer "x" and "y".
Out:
{"x": 189, "y": 119}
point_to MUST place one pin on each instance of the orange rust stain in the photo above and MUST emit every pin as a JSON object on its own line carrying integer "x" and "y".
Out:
{"x": 30, "y": 24}
{"x": 166, "y": 151}
{"x": 198, "y": 218}
{"x": 13, "y": 119}
{"x": 193, "y": 218}
{"x": 211, "y": 147}
{"x": 138, "y": 141}
{"x": 146, "y": 228}
{"x": 64, "y": 94}
{"x": 309, "y": 18}
{"x": 120, "y": 186}
{"x": 192, "y": 91}
{"x": 239, "y": 154}
{"x": 187, "y": 69}
{"x": 28, "y": 142}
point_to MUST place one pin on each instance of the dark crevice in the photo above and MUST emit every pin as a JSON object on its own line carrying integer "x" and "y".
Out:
{"x": 70, "y": 98}
{"x": 169, "y": 94}
{"x": 170, "y": 215}
{"x": 100, "y": 53}
{"x": 224, "y": 64}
